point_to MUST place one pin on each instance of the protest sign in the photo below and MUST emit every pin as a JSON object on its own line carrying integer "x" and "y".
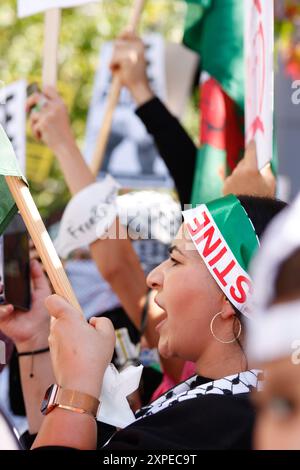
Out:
{"x": 31, "y": 7}
{"x": 259, "y": 53}
{"x": 131, "y": 156}
{"x": 113, "y": 96}
{"x": 52, "y": 9}
{"x": 13, "y": 117}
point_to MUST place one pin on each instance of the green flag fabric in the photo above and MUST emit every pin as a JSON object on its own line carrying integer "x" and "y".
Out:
{"x": 8, "y": 167}
{"x": 215, "y": 30}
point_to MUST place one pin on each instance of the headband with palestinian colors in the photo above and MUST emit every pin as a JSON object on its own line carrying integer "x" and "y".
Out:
{"x": 225, "y": 238}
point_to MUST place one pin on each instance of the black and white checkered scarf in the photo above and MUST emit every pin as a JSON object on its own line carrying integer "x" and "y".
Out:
{"x": 244, "y": 382}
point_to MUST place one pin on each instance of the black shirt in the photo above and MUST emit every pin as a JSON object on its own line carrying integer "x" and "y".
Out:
{"x": 208, "y": 421}
{"x": 219, "y": 422}
{"x": 174, "y": 145}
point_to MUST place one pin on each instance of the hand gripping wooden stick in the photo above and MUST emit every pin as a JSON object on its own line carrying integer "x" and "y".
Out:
{"x": 113, "y": 98}
{"x": 41, "y": 239}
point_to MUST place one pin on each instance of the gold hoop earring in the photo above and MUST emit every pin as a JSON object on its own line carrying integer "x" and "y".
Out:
{"x": 220, "y": 340}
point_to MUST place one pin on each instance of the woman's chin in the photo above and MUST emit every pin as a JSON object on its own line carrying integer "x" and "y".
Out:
{"x": 163, "y": 348}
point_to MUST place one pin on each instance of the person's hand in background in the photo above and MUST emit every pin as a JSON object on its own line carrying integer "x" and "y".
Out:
{"x": 129, "y": 62}
{"x": 29, "y": 330}
{"x": 246, "y": 179}
{"x": 51, "y": 123}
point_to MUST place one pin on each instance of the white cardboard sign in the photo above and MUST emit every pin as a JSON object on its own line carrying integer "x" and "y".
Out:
{"x": 259, "y": 57}
{"x": 131, "y": 156}
{"x": 31, "y": 7}
{"x": 13, "y": 117}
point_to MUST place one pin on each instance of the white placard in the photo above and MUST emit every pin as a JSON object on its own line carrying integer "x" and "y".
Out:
{"x": 259, "y": 56}
{"x": 31, "y": 7}
{"x": 131, "y": 155}
{"x": 13, "y": 117}
{"x": 8, "y": 436}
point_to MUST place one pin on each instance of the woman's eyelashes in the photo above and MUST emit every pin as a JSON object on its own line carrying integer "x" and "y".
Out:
{"x": 173, "y": 249}
{"x": 174, "y": 261}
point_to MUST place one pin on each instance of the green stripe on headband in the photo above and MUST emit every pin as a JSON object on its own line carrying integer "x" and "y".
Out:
{"x": 236, "y": 227}
{"x": 226, "y": 240}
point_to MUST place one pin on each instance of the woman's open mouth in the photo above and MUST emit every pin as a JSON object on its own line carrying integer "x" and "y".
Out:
{"x": 158, "y": 304}
{"x": 160, "y": 324}
{"x": 164, "y": 316}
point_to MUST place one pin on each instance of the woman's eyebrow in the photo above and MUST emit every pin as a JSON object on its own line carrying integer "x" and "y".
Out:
{"x": 174, "y": 247}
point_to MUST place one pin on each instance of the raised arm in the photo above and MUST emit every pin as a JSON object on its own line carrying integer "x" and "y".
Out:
{"x": 174, "y": 144}
{"x": 115, "y": 258}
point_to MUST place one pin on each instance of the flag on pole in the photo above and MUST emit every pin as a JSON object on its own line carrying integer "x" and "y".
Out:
{"x": 14, "y": 188}
{"x": 8, "y": 167}
{"x": 215, "y": 30}
{"x": 259, "y": 62}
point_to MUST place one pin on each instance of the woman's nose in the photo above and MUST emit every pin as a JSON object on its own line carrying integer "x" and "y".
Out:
{"x": 155, "y": 277}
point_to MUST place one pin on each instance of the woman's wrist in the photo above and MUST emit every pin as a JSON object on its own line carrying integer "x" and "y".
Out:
{"x": 35, "y": 343}
{"x": 65, "y": 148}
{"x": 87, "y": 381}
{"x": 79, "y": 384}
{"x": 76, "y": 171}
{"x": 141, "y": 93}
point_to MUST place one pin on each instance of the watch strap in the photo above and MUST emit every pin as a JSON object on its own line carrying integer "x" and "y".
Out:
{"x": 77, "y": 401}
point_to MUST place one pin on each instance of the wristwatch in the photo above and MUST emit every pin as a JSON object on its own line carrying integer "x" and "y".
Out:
{"x": 70, "y": 400}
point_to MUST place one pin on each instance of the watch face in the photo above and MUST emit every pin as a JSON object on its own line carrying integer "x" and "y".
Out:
{"x": 48, "y": 402}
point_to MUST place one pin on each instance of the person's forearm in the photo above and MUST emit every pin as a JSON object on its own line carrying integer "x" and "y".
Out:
{"x": 141, "y": 93}
{"x": 76, "y": 172}
{"x": 120, "y": 266}
{"x": 67, "y": 429}
{"x": 36, "y": 376}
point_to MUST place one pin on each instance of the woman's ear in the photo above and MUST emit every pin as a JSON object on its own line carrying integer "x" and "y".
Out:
{"x": 227, "y": 309}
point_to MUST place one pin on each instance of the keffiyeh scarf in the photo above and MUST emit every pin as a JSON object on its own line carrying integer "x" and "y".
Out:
{"x": 244, "y": 382}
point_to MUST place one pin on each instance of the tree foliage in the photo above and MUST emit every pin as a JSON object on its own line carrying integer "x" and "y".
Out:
{"x": 83, "y": 31}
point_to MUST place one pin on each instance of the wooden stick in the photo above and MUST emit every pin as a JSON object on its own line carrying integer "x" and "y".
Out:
{"x": 136, "y": 15}
{"x": 52, "y": 29}
{"x": 41, "y": 239}
{"x": 113, "y": 98}
{"x": 103, "y": 136}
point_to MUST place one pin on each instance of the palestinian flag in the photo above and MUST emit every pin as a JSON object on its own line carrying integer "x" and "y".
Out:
{"x": 8, "y": 167}
{"x": 215, "y": 30}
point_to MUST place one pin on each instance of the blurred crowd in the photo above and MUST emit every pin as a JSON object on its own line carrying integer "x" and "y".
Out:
{"x": 202, "y": 292}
